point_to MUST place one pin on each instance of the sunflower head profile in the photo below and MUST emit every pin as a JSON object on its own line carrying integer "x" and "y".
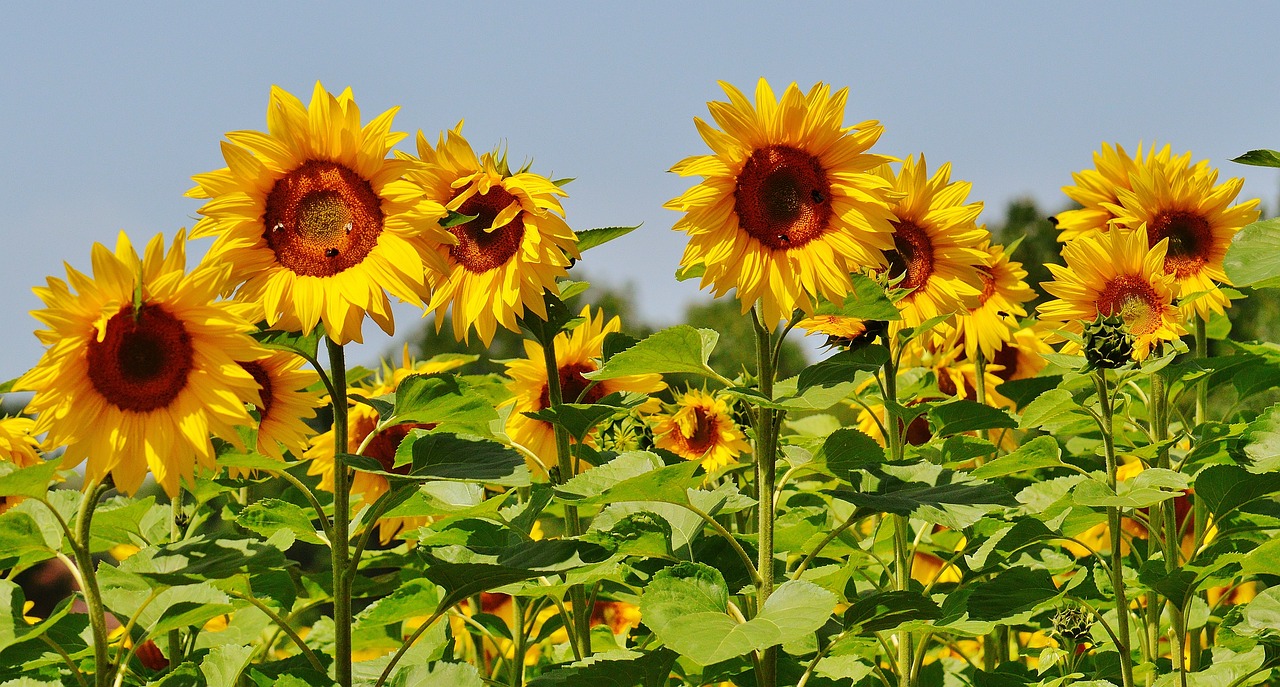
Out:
{"x": 317, "y": 224}
{"x": 141, "y": 366}
{"x": 787, "y": 206}
{"x": 289, "y": 396}
{"x": 515, "y": 249}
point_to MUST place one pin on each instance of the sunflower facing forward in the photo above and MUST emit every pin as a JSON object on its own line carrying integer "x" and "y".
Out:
{"x": 1096, "y": 190}
{"x": 989, "y": 326}
{"x": 937, "y": 246}
{"x": 137, "y": 384}
{"x": 700, "y": 427}
{"x": 1115, "y": 274}
{"x": 577, "y": 352}
{"x": 316, "y": 221}
{"x": 787, "y": 207}
{"x": 504, "y": 259}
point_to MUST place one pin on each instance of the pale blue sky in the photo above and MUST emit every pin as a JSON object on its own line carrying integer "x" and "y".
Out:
{"x": 108, "y": 110}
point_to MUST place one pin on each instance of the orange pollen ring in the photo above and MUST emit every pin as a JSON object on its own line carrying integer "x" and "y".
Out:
{"x": 142, "y": 363}
{"x": 479, "y": 250}
{"x": 783, "y": 198}
{"x": 912, "y": 255}
{"x": 1190, "y": 240}
{"x": 321, "y": 219}
{"x": 1133, "y": 299}
{"x": 988, "y": 286}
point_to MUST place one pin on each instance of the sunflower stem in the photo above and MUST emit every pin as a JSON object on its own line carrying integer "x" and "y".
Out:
{"x": 1171, "y": 539}
{"x": 1199, "y": 513}
{"x": 92, "y": 593}
{"x": 341, "y": 519}
{"x": 175, "y": 535}
{"x": 1113, "y": 524}
{"x": 572, "y": 524}
{"x": 766, "y": 474}
{"x": 901, "y": 524}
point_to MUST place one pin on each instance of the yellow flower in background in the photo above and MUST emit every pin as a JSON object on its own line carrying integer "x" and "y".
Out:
{"x": 1022, "y": 357}
{"x": 577, "y": 352}
{"x": 700, "y": 427}
{"x": 17, "y": 442}
{"x": 1115, "y": 274}
{"x": 286, "y": 402}
{"x": 505, "y": 258}
{"x": 840, "y": 331}
{"x": 787, "y": 207}
{"x": 937, "y": 250}
{"x": 362, "y": 420}
{"x": 1097, "y": 190}
{"x": 988, "y": 327}
{"x": 1184, "y": 204}
{"x": 133, "y": 389}
{"x": 315, "y": 220}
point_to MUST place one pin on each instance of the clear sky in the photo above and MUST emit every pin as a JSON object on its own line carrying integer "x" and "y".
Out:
{"x": 108, "y": 109}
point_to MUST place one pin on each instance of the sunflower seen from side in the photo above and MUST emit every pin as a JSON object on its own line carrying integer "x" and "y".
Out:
{"x": 1096, "y": 190}
{"x": 514, "y": 250}
{"x": 316, "y": 222}
{"x": 362, "y": 420}
{"x": 138, "y": 386}
{"x": 989, "y": 326}
{"x": 937, "y": 249}
{"x": 787, "y": 206}
{"x": 1115, "y": 274}
{"x": 289, "y": 398}
{"x": 700, "y": 426}
{"x": 577, "y": 352}
{"x": 1185, "y": 205}
{"x": 18, "y": 445}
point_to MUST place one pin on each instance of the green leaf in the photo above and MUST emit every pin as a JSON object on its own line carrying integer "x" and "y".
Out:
{"x": 818, "y": 397}
{"x": 202, "y": 557}
{"x": 463, "y": 572}
{"x": 455, "y": 219}
{"x": 1224, "y": 488}
{"x": 617, "y": 668}
{"x": 849, "y": 449}
{"x": 1010, "y": 592}
{"x": 954, "y": 504}
{"x": 694, "y": 271}
{"x": 252, "y": 461}
{"x": 678, "y": 349}
{"x": 184, "y": 606}
{"x": 1024, "y": 391}
{"x": 444, "y": 456}
{"x": 686, "y": 606}
{"x": 580, "y": 418}
{"x": 436, "y": 674}
{"x": 598, "y": 480}
{"x": 32, "y": 481}
{"x": 223, "y": 665}
{"x": 306, "y": 345}
{"x": 1261, "y": 441}
{"x": 1259, "y": 158}
{"x": 559, "y": 316}
{"x": 866, "y": 301}
{"x": 1253, "y": 258}
{"x": 1148, "y": 488}
{"x": 412, "y": 598}
{"x": 1052, "y": 409}
{"x": 442, "y": 400}
{"x": 842, "y": 367}
{"x": 664, "y": 484}
{"x": 268, "y": 516}
{"x": 963, "y": 415}
{"x": 590, "y": 238}
{"x": 886, "y": 610}
{"x": 1040, "y": 452}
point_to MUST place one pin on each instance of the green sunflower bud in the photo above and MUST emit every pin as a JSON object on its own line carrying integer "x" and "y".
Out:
{"x": 1107, "y": 343}
{"x": 1073, "y": 623}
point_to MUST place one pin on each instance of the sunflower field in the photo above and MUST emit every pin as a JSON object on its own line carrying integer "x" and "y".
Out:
{"x": 985, "y": 481}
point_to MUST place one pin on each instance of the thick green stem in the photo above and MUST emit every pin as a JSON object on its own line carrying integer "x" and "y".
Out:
{"x": 1171, "y": 534}
{"x": 517, "y": 656}
{"x": 1199, "y": 513}
{"x": 92, "y": 594}
{"x": 572, "y": 524}
{"x": 902, "y": 557}
{"x": 341, "y": 519}
{"x": 1113, "y": 523}
{"x": 175, "y": 535}
{"x": 766, "y": 449}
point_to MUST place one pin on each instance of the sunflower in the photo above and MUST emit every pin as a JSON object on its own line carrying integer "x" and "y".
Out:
{"x": 286, "y": 400}
{"x": 137, "y": 384}
{"x": 1022, "y": 357}
{"x": 1115, "y": 274}
{"x": 1185, "y": 205}
{"x": 577, "y": 352}
{"x": 1096, "y": 189}
{"x": 989, "y": 326}
{"x": 316, "y": 222}
{"x": 700, "y": 426}
{"x": 505, "y": 258}
{"x": 362, "y": 420}
{"x": 17, "y": 442}
{"x": 937, "y": 250}
{"x": 841, "y": 331}
{"x": 787, "y": 207}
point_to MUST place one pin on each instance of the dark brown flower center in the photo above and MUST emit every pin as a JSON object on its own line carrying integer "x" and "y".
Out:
{"x": 572, "y": 384}
{"x": 478, "y": 249}
{"x": 1007, "y": 358}
{"x": 912, "y": 256}
{"x": 1189, "y": 241}
{"x": 783, "y": 199}
{"x": 701, "y": 440}
{"x": 321, "y": 219}
{"x": 1135, "y": 301}
{"x": 259, "y": 374}
{"x": 141, "y": 363}
{"x": 383, "y": 446}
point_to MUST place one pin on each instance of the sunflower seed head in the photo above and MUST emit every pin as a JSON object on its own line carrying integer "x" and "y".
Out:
{"x": 1107, "y": 343}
